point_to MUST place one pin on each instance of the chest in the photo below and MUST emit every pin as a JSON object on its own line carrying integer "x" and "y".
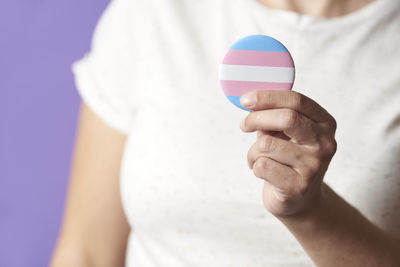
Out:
{"x": 185, "y": 159}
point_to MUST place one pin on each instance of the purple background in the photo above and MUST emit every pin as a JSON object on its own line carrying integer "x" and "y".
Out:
{"x": 39, "y": 39}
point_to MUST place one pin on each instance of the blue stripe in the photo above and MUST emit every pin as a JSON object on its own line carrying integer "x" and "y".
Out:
{"x": 259, "y": 43}
{"x": 235, "y": 99}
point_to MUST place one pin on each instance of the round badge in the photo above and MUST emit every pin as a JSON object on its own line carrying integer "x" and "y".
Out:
{"x": 255, "y": 63}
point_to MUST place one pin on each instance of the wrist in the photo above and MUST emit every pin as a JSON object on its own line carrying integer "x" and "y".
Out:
{"x": 317, "y": 211}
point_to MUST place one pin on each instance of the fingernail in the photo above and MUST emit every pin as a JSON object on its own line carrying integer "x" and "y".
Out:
{"x": 248, "y": 100}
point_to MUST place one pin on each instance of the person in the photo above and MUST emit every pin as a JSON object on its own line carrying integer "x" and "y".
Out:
{"x": 165, "y": 175}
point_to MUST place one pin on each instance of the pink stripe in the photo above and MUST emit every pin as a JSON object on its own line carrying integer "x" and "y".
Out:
{"x": 241, "y": 87}
{"x": 258, "y": 58}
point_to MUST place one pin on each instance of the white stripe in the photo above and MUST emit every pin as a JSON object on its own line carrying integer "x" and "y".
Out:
{"x": 256, "y": 73}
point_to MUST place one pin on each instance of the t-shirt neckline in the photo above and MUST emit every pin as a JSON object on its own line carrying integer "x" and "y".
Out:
{"x": 378, "y": 8}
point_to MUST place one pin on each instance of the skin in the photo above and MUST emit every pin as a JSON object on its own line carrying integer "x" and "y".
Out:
{"x": 291, "y": 153}
{"x": 94, "y": 230}
{"x": 319, "y": 8}
{"x": 295, "y": 144}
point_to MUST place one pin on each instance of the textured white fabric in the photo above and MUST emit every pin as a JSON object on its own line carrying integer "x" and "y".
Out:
{"x": 186, "y": 188}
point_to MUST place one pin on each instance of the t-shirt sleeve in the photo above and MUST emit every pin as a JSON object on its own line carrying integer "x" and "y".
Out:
{"x": 102, "y": 75}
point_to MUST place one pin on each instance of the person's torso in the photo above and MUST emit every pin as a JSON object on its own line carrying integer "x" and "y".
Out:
{"x": 186, "y": 188}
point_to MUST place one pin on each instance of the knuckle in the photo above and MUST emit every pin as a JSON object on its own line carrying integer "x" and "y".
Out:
{"x": 266, "y": 143}
{"x": 259, "y": 166}
{"x": 290, "y": 118}
{"x": 267, "y": 97}
{"x": 327, "y": 147}
{"x": 251, "y": 156}
{"x": 331, "y": 147}
{"x": 297, "y": 100}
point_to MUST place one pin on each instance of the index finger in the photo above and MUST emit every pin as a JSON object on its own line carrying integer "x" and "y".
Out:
{"x": 270, "y": 99}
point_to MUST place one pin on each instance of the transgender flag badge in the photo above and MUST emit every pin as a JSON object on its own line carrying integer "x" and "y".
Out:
{"x": 254, "y": 63}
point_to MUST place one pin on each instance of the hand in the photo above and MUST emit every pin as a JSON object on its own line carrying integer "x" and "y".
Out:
{"x": 294, "y": 147}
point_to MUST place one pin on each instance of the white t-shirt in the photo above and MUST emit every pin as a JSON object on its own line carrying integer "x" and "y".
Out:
{"x": 186, "y": 188}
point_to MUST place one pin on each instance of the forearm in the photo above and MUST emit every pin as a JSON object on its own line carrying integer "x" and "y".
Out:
{"x": 335, "y": 234}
